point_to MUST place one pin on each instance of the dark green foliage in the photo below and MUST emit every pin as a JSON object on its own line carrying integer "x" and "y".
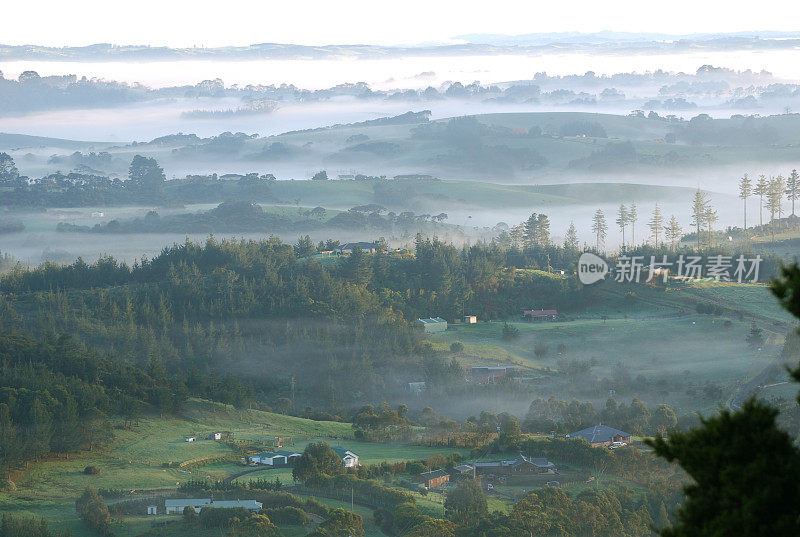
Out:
{"x": 287, "y": 515}
{"x": 466, "y": 503}
{"x": 317, "y": 459}
{"x": 92, "y": 509}
{"x": 214, "y": 517}
{"x": 510, "y": 332}
{"x": 745, "y": 475}
{"x": 26, "y": 527}
{"x": 340, "y": 523}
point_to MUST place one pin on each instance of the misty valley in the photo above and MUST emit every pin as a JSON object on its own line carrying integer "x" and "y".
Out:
{"x": 351, "y": 290}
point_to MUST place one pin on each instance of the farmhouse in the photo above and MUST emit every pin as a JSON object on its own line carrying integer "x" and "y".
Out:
{"x": 190, "y": 438}
{"x": 471, "y": 319}
{"x": 414, "y": 176}
{"x": 602, "y": 435}
{"x": 433, "y": 325}
{"x": 489, "y": 374}
{"x": 347, "y": 248}
{"x": 521, "y": 465}
{"x": 540, "y": 315}
{"x": 461, "y": 470}
{"x": 346, "y": 177}
{"x": 176, "y": 506}
{"x": 275, "y": 458}
{"x": 349, "y": 458}
{"x": 433, "y": 479}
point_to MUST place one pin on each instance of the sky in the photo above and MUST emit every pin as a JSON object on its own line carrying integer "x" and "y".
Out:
{"x": 181, "y": 23}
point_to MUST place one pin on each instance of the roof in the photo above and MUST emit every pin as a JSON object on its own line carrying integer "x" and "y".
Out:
{"x": 288, "y": 453}
{"x": 362, "y": 245}
{"x": 342, "y": 452}
{"x": 187, "y": 501}
{"x": 431, "y": 320}
{"x": 228, "y": 504}
{"x": 598, "y": 434}
{"x": 539, "y": 462}
{"x": 539, "y": 313}
{"x": 481, "y": 368}
{"x": 433, "y": 474}
{"x": 463, "y": 468}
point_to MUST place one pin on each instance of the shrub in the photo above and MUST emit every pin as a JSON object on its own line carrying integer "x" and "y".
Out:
{"x": 91, "y": 470}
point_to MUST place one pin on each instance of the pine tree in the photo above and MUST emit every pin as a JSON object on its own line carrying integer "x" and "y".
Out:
{"x": 531, "y": 233}
{"x": 699, "y": 213}
{"x": 622, "y": 222}
{"x": 656, "y": 223}
{"x": 599, "y": 228}
{"x": 543, "y": 231}
{"x": 633, "y": 217}
{"x": 571, "y": 239}
{"x": 673, "y": 230}
{"x": 760, "y": 190}
{"x": 793, "y": 188}
{"x": 745, "y": 190}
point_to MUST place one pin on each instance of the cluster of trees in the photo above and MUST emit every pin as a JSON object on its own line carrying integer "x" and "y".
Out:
{"x": 547, "y": 415}
{"x": 382, "y": 425}
{"x": 57, "y": 396}
{"x": 93, "y": 511}
{"x": 26, "y": 527}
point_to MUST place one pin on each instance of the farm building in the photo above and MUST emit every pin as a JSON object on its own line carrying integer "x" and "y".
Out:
{"x": 602, "y": 435}
{"x": 432, "y": 479}
{"x": 190, "y": 438}
{"x": 521, "y": 465}
{"x": 490, "y": 374}
{"x": 471, "y": 319}
{"x": 152, "y": 509}
{"x": 215, "y": 436}
{"x": 347, "y": 248}
{"x": 540, "y": 315}
{"x": 433, "y": 325}
{"x": 176, "y": 506}
{"x": 346, "y": 177}
{"x": 275, "y": 458}
{"x": 462, "y": 470}
{"x": 349, "y": 458}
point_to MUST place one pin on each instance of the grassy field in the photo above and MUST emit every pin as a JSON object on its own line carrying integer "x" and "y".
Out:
{"x": 650, "y": 344}
{"x": 133, "y": 462}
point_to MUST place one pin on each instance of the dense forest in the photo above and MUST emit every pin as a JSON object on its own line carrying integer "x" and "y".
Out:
{"x": 240, "y": 322}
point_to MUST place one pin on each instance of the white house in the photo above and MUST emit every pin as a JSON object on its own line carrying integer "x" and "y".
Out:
{"x": 176, "y": 506}
{"x": 276, "y": 458}
{"x": 190, "y": 438}
{"x": 215, "y": 436}
{"x": 349, "y": 458}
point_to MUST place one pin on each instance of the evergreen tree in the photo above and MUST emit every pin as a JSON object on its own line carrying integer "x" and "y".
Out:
{"x": 599, "y": 228}
{"x": 622, "y": 221}
{"x": 673, "y": 230}
{"x": 745, "y": 190}
{"x": 571, "y": 242}
{"x": 793, "y": 188}
{"x": 761, "y": 189}
{"x": 633, "y": 217}
{"x": 655, "y": 224}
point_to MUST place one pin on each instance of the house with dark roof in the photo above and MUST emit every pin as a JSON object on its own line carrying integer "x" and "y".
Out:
{"x": 521, "y": 465}
{"x": 602, "y": 435}
{"x": 349, "y": 459}
{"x": 347, "y": 248}
{"x": 490, "y": 374}
{"x": 432, "y": 479}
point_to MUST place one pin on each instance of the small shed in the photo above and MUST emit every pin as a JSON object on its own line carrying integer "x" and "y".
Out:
{"x": 215, "y": 436}
{"x": 471, "y": 319}
{"x": 540, "y": 315}
{"x": 152, "y": 509}
{"x": 190, "y": 438}
{"x": 433, "y": 325}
